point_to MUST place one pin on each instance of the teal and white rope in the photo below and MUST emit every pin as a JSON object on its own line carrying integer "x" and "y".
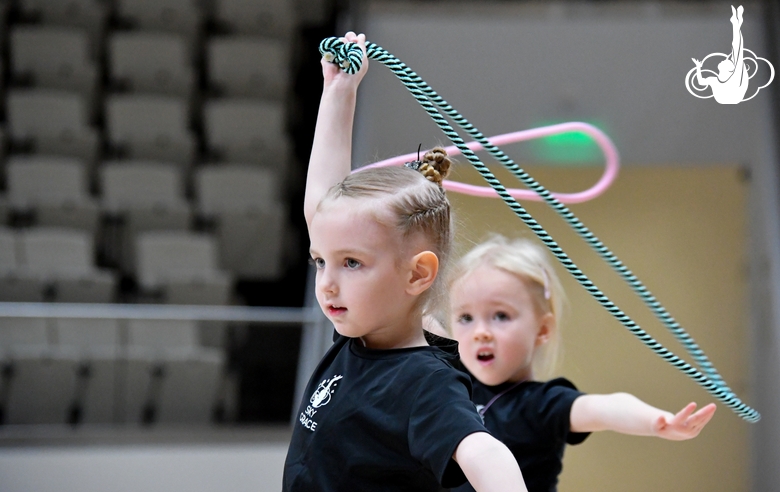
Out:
{"x": 349, "y": 57}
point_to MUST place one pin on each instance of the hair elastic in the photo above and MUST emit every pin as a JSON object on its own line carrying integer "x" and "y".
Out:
{"x": 415, "y": 164}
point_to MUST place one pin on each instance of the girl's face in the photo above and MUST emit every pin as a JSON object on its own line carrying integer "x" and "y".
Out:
{"x": 496, "y": 325}
{"x": 361, "y": 279}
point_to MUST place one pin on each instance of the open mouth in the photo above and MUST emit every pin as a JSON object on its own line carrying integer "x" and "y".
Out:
{"x": 336, "y": 310}
{"x": 485, "y": 356}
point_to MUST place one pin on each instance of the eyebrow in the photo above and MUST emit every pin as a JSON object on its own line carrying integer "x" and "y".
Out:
{"x": 344, "y": 252}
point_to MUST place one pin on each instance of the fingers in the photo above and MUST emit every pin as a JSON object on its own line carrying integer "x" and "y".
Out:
{"x": 683, "y": 414}
{"x": 696, "y": 422}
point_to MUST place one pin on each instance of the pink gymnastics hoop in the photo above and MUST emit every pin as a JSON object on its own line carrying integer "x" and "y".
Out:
{"x": 611, "y": 165}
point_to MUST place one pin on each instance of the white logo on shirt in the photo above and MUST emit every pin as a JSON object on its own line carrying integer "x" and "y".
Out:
{"x": 321, "y": 397}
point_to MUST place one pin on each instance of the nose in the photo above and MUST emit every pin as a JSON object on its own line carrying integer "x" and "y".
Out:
{"x": 326, "y": 283}
{"x": 482, "y": 332}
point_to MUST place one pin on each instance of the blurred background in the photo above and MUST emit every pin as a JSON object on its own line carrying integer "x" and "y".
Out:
{"x": 157, "y": 320}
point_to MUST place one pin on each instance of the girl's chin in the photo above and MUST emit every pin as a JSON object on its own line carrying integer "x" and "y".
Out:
{"x": 485, "y": 375}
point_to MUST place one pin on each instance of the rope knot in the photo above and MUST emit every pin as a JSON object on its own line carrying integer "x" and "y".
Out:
{"x": 348, "y": 56}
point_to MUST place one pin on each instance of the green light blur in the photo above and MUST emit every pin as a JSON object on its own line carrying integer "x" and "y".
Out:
{"x": 567, "y": 149}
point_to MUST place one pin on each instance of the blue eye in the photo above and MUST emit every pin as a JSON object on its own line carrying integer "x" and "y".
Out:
{"x": 317, "y": 262}
{"x": 465, "y": 318}
{"x": 352, "y": 264}
{"x": 501, "y": 316}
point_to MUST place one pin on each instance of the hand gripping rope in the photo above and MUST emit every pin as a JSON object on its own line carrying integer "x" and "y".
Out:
{"x": 349, "y": 57}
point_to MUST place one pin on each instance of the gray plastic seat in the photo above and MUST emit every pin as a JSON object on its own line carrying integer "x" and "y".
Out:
{"x": 183, "y": 265}
{"x": 251, "y": 219}
{"x": 54, "y": 122}
{"x": 178, "y": 16}
{"x": 95, "y": 344}
{"x": 268, "y": 76}
{"x": 88, "y": 14}
{"x": 247, "y": 130}
{"x": 260, "y": 17}
{"x": 42, "y": 380}
{"x": 54, "y": 57}
{"x": 16, "y": 285}
{"x": 154, "y": 127}
{"x": 55, "y": 188}
{"x": 170, "y": 378}
{"x": 65, "y": 258}
{"x": 151, "y": 62}
{"x": 148, "y": 196}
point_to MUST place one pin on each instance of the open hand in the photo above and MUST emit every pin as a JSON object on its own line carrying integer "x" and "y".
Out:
{"x": 685, "y": 425}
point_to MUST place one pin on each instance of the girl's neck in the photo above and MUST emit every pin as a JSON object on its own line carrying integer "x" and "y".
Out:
{"x": 405, "y": 334}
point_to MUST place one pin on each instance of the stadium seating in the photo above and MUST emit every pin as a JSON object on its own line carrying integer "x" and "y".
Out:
{"x": 144, "y": 157}
{"x": 54, "y": 189}
{"x": 143, "y": 196}
{"x": 251, "y": 220}
{"x": 64, "y": 258}
{"x": 147, "y": 126}
{"x": 182, "y": 266}
{"x": 231, "y": 75}
{"x": 151, "y": 62}
{"x": 51, "y": 122}
{"x": 256, "y": 17}
{"x": 247, "y": 130}
{"x": 55, "y": 58}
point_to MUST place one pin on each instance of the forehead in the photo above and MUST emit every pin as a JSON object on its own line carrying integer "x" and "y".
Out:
{"x": 349, "y": 224}
{"x": 489, "y": 285}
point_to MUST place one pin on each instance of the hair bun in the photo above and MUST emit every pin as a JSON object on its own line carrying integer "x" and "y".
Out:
{"x": 435, "y": 165}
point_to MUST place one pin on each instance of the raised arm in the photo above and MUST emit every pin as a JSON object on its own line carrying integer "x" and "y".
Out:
{"x": 331, "y": 152}
{"x": 627, "y": 414}
{"x": 488, "y": 464}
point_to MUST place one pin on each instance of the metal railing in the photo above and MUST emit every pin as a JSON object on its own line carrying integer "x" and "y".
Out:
{"x": 315, "y": 335}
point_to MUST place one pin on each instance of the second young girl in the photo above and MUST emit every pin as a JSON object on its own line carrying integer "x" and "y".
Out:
{"x": 506, "y": 304}
{"x": 385, "y": 410}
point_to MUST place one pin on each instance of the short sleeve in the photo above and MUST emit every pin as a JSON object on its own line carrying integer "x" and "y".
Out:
{"x": 554, "y": 410}
{"x": 442, "y": 415}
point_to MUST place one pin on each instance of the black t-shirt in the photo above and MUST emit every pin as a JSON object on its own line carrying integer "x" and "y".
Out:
{"x": 381, "y": 420}
{"x": 533, "y": 420}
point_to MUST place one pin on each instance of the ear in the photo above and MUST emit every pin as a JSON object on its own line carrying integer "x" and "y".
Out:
{"x": 546, "y": 327}
{"x": 424, "y": 268}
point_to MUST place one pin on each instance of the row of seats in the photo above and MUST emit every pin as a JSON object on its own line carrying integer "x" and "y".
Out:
{"x": 240, "y": 203}
{"x": 157, "y": 62}
{"x": 148, "y": 126}
{"x": 261, "y": 17}
{"x": 103, "y": 371}
{"x": 54, "y": 264}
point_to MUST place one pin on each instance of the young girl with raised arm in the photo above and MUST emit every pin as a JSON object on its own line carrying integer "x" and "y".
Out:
{"x": 385, "y": 410}
{"x": 506, "y": 304}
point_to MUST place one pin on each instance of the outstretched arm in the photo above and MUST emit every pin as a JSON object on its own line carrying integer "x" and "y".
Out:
{"x": 627, "y": 414}
{"x": 331, "y": 152}
{"x": 701, "y": 80}
{"x": 488, "y": 464}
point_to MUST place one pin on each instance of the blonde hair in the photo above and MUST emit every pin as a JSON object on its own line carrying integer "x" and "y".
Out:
{"x": 417, "y": 205}
{"x": 530, "y": 263}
